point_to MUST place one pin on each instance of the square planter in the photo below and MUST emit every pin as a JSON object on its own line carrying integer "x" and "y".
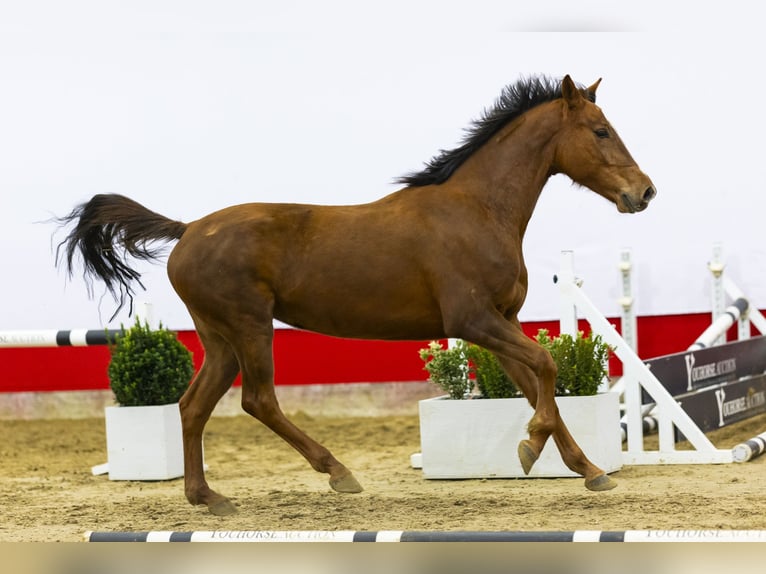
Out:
{"x": 478, "y": 438}
{"x": 144, "y": 443}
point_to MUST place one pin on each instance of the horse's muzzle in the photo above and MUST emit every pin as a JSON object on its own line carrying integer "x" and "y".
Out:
{"x": 634, "y": 206}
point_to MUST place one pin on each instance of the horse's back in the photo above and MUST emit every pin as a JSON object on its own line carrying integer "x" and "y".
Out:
{"x": 343, "y": 270}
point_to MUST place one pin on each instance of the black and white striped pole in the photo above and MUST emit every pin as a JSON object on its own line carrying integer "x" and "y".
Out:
{"x": 57, "y": 338}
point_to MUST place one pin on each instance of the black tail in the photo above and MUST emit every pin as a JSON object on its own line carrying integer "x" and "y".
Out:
{"x": 108, "y": 229}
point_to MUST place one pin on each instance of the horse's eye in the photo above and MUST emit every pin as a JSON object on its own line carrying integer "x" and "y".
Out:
{"x": 602, "y": 132}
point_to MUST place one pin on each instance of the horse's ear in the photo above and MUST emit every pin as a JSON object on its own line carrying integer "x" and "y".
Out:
{"x": 592, "y": 90}
{"x": 570, "y": 93}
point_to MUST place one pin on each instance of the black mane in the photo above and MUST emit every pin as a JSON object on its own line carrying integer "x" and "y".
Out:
{"x": 514, "y": 100}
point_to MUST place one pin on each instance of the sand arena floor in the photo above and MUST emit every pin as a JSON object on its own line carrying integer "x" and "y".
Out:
{"x": 49, "y": 493}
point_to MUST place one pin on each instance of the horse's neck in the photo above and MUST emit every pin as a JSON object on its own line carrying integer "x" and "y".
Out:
{"x": 509, "y": 171}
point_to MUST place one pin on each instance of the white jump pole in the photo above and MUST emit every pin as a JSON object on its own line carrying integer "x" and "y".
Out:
{"x": 718, "y": 328}
{"x": 750, "y": 449}
{"x": 754, "y": 316}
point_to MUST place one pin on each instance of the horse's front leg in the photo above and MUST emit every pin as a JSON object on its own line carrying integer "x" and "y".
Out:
{"x": 573, "y": 456}
{"x": 544, "y": 403}
{"x": 533, "y": 370}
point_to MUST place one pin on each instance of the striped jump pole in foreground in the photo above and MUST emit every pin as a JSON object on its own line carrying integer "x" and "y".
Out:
{"x": 431, "y": 536}
{"x": 54, "y": 338}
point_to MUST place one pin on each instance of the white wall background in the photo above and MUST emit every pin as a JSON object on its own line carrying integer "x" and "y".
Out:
{"x": 190, "y": 106}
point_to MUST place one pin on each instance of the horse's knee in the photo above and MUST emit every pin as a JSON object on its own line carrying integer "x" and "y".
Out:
{"x": 544, "y": 366}
{"x": 546, "y": 414}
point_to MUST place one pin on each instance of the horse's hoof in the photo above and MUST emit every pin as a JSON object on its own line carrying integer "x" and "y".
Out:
{"x": 600, "y": 483}
{"x": 222, "y": 507}
{"x": 346, "y": 483}
{"x": 527, "y": 455}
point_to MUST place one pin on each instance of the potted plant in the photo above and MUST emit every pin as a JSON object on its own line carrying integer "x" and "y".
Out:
{"x": 148, "y": 372}
{"x": 473, "y": 431}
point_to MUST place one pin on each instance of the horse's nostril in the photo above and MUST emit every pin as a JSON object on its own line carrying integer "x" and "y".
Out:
{"x": 649, "y": 194}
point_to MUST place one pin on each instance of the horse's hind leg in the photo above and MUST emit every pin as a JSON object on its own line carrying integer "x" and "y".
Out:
{"x": 259, "y": 400}
{"x": 218, "y": 371}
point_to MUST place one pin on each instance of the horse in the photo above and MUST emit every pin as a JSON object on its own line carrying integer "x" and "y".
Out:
{"x": 440, "y": 257}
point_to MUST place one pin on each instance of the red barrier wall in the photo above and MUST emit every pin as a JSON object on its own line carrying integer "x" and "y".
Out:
{"x": 305, "y": 358}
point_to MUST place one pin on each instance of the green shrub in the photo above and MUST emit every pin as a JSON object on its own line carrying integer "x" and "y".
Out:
{"x": 149, "y": 367}
{"x": 491, "y": 379}
{"x": 448, "y": 368}
{"x": 581, "y": 363}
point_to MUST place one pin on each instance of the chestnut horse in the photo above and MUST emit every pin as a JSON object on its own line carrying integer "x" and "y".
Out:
{"x": 441, "y": 257}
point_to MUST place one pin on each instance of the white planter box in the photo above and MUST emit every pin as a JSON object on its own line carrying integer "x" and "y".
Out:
{"x": 478, "y": 438}
{"x": 144, "y": 443}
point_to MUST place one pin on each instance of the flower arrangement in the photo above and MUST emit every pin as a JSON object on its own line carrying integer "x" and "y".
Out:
{"x": 581, "y": 362}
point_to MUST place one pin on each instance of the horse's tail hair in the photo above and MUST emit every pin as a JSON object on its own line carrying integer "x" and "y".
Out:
{"x": 108, "y": 229}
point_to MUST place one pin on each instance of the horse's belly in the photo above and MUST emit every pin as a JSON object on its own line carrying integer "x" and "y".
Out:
{"x": 364, "y": 319}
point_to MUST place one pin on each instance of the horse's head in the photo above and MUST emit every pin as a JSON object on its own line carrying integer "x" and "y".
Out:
{"x": 590, "y": 152}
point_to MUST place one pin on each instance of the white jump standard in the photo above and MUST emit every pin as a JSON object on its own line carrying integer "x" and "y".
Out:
{"x": 637, "y": 377}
